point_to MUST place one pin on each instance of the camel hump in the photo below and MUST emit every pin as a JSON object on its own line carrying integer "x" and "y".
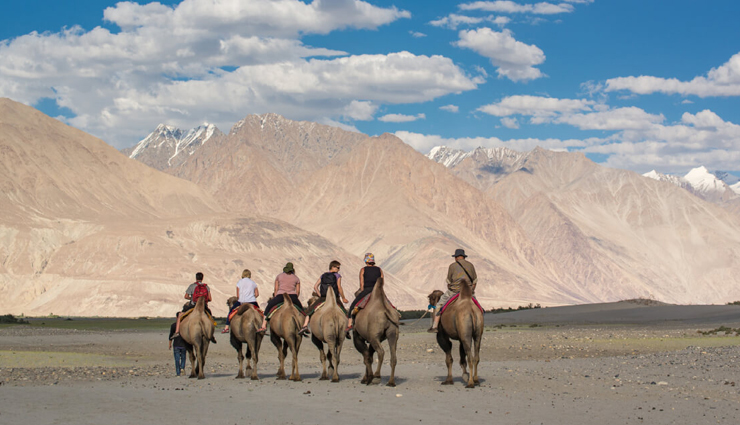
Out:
{"x": 379, "y": 286}
{"x": 331, "y": 298}
{"x": 466, "y": 290}
{"x": 200, "y": 305}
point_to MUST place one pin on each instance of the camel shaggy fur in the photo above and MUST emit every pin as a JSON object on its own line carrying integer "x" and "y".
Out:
{"x": 462, "y": 321}
{"x": 243, "y": 329}
{"x": 375, "y": 323}
{"x": 329, "y": 326}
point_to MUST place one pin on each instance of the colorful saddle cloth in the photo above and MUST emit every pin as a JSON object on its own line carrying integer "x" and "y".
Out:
{"x": 184, "y": 315}
{"x": 363, "y": 303}
{"x": 454, "y": 298}
{"x": 234, "y": 311}
{"x": 279, "y": 306}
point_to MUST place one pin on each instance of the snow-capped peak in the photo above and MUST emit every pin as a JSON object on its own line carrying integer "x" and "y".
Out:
{"x": 166, "y": 142}
{"x": 703, "y": 181}
{"x": 446, "y": 156}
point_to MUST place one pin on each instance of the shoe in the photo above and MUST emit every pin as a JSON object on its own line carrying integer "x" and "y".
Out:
{"x": 432, "y": 330}
{"x": 225, "y": 331}
{"x": 348, "y": 335}
{"x": 304, "y": 331}
{"x": 262, "y": 330}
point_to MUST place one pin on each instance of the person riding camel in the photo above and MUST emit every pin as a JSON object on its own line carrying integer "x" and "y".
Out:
{"x": 332, "y": 279}
{"x": 196, "y": 290}
{"x": 459, "y": 270}
{"x": 285, "y": 283}
{"x": 246, "y": 292}
{"x": 369, "y": 275}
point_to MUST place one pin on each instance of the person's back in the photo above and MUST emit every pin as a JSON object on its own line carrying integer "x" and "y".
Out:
{"x": 246, "y": 290}
{"x": 287, "y": 283}
{"x": 370, "y": 274}
{"x": 459, "y": 270}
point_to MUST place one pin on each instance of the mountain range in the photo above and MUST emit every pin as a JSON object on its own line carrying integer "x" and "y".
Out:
{"x": 89, "y": 230}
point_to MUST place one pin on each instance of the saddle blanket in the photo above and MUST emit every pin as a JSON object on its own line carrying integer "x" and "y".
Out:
{"x": 233, "y": 312}
{"x": 278, "y": 307}
{"x": 184, "y": 315}
{"x": 454, "y": 298}
{"x": 363, "y": 303}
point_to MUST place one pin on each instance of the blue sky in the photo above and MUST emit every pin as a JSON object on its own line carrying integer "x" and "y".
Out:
{"x": 632, "y": 84}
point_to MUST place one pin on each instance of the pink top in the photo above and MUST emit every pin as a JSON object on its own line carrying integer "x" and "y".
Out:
{"x": 287, "y": 283}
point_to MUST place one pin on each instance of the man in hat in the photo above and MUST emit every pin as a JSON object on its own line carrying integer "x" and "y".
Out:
{"x": 459, "y": 270}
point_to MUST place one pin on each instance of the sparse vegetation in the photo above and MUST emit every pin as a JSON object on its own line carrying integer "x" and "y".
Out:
{"x": 734, "y": 303}
{"x": 726, "y": 330}
{"x": 509, "y": 309}
{"x": 411, "y": 314}
{"x": 12, "y": 320}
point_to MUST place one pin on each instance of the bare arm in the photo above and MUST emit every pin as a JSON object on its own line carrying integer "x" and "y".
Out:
{"x": 274, "y": 291}
{"x": 298, "y": 289}
{"x": 316, "y": 286}
{"x": 362, "y": 279}
{"x": 341, "y": 291}
{"x": 256, "y": 292}
{"x": 237, "y": 292}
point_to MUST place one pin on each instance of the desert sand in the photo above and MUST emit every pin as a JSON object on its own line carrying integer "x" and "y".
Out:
{"x": 619, "y": 363}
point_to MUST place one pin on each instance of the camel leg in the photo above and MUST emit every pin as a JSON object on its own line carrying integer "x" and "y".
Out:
{"x": 378, "y": 346}
{"x": 248, "y": 356}
{"x": 367, "y": 358}
{"x": 191, "y": 354}
{"x": 199, "y": 357}
{"x": 334, "y": 349}
{"x": 464, "y": 361}
{"x": 257, "y": 342}
{"x": 317, "y": 342}
{"x": 446, "y": 345}
{"x": 466, "y": 349}
{"x": 294, "y": 346}
{"x": 281, "y": 357}
{"x": 476, "y": 359}
{"x": 239, "y": 356}
{"x": 392, "y": 343}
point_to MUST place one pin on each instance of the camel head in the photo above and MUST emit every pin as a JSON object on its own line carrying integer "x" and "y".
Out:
{"x": 314, "y": 297}
{"x": 231, "y": 301}
{"x": 435, "y": 296}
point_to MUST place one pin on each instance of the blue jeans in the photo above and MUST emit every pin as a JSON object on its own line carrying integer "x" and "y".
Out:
{"x": 179, "y": 358}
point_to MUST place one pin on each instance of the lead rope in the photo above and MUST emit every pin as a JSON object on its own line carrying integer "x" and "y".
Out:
{"x": 422, "y": 316}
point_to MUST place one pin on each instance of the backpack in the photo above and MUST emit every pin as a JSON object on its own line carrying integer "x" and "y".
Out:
{"x": 201, "y": 290}
{"x": 328, "y": 279}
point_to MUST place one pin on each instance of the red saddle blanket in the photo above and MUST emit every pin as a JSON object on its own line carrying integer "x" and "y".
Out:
{"x": 233, "y": 312}
{"x": 454, "y": 298}
{"x": 363, "y": 303}
{"x": 279, "y": 306}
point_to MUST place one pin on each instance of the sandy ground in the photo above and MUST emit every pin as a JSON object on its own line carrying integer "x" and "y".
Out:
{"x": 608, "y": 363}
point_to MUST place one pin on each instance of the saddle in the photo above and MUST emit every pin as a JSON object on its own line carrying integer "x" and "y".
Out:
{"x": 363, "y": 303}
{"x": 278, "y": 307}
{"x": 454, "y": 298}
{"x": 184, "y": 315}
{"x": 236, "y": 310}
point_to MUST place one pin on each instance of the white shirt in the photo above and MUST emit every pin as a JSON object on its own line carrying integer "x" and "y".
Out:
{"x": 246, "y": 290}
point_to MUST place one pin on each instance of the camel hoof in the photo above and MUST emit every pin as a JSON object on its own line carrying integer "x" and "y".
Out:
{"x": 192, "y": 376}
{"x": 255, "y": 378}
{"x": 363, "y": 381}
{"x": 323, "y": 378}
{"x": 281, "y": 378}
{"x": 201, "y": 377}
{"x": 391, "y": 384}
{"x": 239, "y": 377}
{"x": 298, "y": 379}
{"x": 447, "y": 383}
{"x": 470, "y": 386}
{"x": 335, "y": 380}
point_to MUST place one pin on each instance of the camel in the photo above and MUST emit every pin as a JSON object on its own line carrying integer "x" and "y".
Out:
{"x": 329, "y": 325}
{"x": 243, "y": 329}
{"x": 462, "y": 321}
{"x": 375, "y": 323}
{"x": 284, "y": 327}
{"x": 197, "y": 330}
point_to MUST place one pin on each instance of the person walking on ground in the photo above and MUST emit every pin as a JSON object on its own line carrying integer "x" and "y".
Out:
{"x": 178, "y": 347}
{"x": 459, "y": 270}
{"x": 369, "y": 275}
{"x": 332, "y": 279}
{"x": 246, "y": 292}
{"x": 285, "y": 283}
{"x": 196, "y": 290}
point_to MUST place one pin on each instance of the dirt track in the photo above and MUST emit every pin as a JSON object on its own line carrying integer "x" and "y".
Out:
{"x": 647, "y": 371}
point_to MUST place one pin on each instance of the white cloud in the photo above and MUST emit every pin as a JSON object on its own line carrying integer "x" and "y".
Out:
{"x": 630, "y": 118}
{"x": 450, "y": 108}
{"x": 721, "y": 81}
{"x": 515, "y": 60}
{"x": 401, "y": 118}
{"x": 506, "y": 6}
{"x": 425, "y": 142}
{"x": 509, "y": 122}
{"x": 452, "y": 21}
{"x": 536, "y": 106}
{"x": 217, "y": 61}
{"x": 417, "y": 34}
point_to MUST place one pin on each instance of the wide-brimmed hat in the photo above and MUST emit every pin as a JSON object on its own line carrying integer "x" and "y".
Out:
{"x": 288, "y": 268}
{"x": 459, "y": 253}
{"x": 369, "y": 258}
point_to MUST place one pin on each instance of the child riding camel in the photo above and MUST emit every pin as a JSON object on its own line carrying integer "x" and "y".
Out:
{"x": 332, "y": 279}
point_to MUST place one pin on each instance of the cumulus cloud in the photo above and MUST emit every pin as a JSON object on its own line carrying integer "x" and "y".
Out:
{"x": 722, "y": 81}
{"x": 450, "y": 108}
{"x": 217, "y": 61}
{"x": 401, "y": 118}
{"x": 425, "y": 142}
{"x": 629, "y": 118}
{"x": 506, "y": 6}
{"x": 515, "y": 60}
{"x": 536, "y": 106}
{"x": 510, "y": 122}
{"x": 417, "y": 34}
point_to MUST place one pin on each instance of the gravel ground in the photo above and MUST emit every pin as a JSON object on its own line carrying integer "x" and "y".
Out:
{"x": 562, "y": 372}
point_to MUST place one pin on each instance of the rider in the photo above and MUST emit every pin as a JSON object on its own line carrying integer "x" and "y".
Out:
{"x": 285, "y": 283}
{"x": 368, "y": 277}
{"x": 459, "y": 270}
{"x": 246, "y": 292}
{"x": 196, "y": 290}
{"x": 331, "y": 278}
